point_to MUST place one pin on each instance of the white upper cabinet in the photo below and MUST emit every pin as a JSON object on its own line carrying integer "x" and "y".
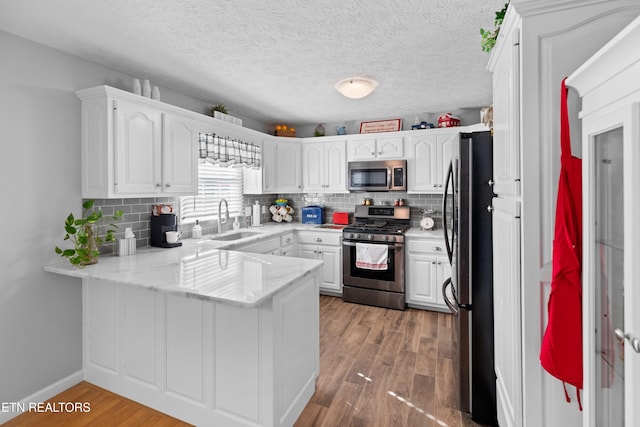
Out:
{"x": 180, "y": 158}
{"x": 132, "y": 147}
{"x": 324, "y": 167}
{"x": 428, "y": 158}
{"x": 281, "y": 167}
{"x": 375, "y": 148}
{"x": 288, "y": 166}
{"x": 506, "y": 115}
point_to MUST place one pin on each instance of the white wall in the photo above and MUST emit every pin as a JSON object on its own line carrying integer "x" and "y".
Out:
{"x": 40, "y": 313}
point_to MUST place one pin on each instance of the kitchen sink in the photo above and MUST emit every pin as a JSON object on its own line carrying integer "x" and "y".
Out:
{"x": 235, "y": 236}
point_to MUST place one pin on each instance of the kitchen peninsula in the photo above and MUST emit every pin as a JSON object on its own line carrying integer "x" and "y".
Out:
{"x": 210, "y": 336}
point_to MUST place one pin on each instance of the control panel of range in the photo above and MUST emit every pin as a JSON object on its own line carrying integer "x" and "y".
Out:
{"x": 364, "y": 236}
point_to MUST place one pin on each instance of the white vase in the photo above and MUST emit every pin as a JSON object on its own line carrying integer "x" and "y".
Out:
{"x": 137, "y": 87}
{"x": 146, "y": 88}
{"x": 155, "y": 93}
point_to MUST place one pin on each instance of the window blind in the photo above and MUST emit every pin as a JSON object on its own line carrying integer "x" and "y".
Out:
{"x": 215, "y": 182}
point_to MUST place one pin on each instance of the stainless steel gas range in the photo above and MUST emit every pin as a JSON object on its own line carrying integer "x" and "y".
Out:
{"x": 373, "y": 256}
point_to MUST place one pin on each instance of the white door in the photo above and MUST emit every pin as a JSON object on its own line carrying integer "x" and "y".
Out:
{"x": 289, "y": 170}
{"x": 180, "y": 155}
{"x": 507, "y": 311}
{"x": 389, "y": 148}
{"x": 611, "y": 295}
{"x": 313, "y": 165}
{"x": 506, "y": 117}
{"x": 138, "y": 149}
{"x": 332, "y": 268}
{"x": 335, "y": 167}
{"x": 422, "y": 164}
{"x": 445, "y": 148}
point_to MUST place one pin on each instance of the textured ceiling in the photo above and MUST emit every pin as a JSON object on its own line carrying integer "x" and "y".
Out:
{"x": 277, "y": 61}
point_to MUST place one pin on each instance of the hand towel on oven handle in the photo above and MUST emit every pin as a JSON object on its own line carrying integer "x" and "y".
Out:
{"x": 372, "y": 256}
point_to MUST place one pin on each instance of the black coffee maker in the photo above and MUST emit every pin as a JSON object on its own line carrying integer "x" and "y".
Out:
{"x": 160, "y": 224}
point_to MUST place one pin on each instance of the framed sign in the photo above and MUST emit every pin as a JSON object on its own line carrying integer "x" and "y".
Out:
{"x": 392, "y": 125}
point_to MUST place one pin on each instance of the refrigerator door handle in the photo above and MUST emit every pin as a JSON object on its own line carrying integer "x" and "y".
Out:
{"x": 448, "y": 241}
{"x": 453, "y": 306}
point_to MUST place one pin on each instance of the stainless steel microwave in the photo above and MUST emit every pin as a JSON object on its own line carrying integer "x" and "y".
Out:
{"x": 378, "y": 175}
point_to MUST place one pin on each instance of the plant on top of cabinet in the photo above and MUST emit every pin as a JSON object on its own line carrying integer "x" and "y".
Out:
{"x": 221, "y": 108}
{"x": 489, "y": 37}
{"x": 84, "y": 232}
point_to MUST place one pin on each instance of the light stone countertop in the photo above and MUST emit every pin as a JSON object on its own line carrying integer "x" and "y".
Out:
{"x": 417, "y": 232}
{"x": 203, "y": 268}
{"x": 210, "y": 269}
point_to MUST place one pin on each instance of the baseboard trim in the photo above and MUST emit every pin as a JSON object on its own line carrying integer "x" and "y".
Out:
{"x": 43, "y": 394}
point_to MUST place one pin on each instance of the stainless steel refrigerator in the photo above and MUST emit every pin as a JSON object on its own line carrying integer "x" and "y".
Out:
{"x": 469, "y": 291}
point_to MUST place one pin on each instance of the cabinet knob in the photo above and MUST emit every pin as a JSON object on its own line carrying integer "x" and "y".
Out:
{"x": 167, "y": 185}
{"x": 437, "y": 248}
{"x": 379, "y": 153}
{"x": 289, "y": 240}
{"x": 491, "y": 183}
{"x": 433, "y": 262}
{"x": 439, "y": 262}
{"x": 373, "y": 153}
{"x": 490, "y": 208}
{"x": 158, "y": 185}
{"x": 435, "y": 185}
{"x": 318, "y": 239}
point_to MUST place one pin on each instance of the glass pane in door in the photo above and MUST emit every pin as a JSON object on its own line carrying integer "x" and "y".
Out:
{"x": 609, "y": 295}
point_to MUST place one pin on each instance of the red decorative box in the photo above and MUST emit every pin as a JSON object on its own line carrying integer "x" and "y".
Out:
{"x": 340, "y": 218}
{"x": 447, "y": 120}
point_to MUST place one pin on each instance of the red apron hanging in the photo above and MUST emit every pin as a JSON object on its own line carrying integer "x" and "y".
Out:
{"x": 561, "y": 353}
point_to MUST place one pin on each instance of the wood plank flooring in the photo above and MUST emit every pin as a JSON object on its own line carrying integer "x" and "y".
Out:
{"x": 106, "y": 410}
{"x": 378, "y": 367}
{"x": 381, "y": 367}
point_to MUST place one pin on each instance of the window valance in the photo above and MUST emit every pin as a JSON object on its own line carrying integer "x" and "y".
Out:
{"x": 225, "y": 151}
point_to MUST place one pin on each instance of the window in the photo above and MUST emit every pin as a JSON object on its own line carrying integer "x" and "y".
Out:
{"x": 215, "y": 182}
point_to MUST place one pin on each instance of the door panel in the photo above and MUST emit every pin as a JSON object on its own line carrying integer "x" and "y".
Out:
{"x": 507, "y": 312}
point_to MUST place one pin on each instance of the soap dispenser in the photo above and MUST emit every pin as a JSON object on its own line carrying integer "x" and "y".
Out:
{"x": 196, "y": 231}
{"x": 236, "y": 224}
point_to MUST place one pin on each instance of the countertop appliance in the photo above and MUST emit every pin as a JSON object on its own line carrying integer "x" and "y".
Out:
{"x": 469, "y": 291}
{"x": 378, "y": 175}
{"x": 160, "y": 224}
{"x": 382, "y": 226}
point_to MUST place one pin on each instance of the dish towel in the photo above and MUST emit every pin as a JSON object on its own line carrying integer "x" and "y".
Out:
{"x": 371, "y": 256}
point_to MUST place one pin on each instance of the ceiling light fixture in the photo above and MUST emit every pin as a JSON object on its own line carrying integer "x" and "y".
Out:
{"x": 356, "y": 87}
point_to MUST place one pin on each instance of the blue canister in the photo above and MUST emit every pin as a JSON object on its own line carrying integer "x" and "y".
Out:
{"x": 312, "y": 215}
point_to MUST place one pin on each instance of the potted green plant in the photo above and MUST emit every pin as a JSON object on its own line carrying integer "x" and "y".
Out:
{"x": 221, "y": 108}
{"x": 85, "y": 234}
{"x": 489, "y": 37}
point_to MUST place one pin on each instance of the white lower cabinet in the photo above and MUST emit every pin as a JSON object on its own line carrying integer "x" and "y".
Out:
{"x": 206, "y": 362}
{"x": 288, "y": 244}
{"x": 326, "y": 246}
{"x": 427, "y": 267}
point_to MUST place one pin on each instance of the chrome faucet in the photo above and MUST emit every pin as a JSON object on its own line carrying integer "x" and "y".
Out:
{"x": 226, "y": 217}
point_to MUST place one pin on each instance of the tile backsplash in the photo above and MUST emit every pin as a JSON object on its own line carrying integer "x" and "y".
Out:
{"x": 347, "y": 203}
{"x": 137, "y": 211}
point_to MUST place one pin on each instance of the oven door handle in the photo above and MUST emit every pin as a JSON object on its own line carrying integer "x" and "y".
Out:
{"x": 380, "y": 243}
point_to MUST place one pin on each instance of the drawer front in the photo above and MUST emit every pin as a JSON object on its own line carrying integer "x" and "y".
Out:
{"x": 286, "y": 239}
{"x": 435, "y": 247}
{"x": 320, "y": 238}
